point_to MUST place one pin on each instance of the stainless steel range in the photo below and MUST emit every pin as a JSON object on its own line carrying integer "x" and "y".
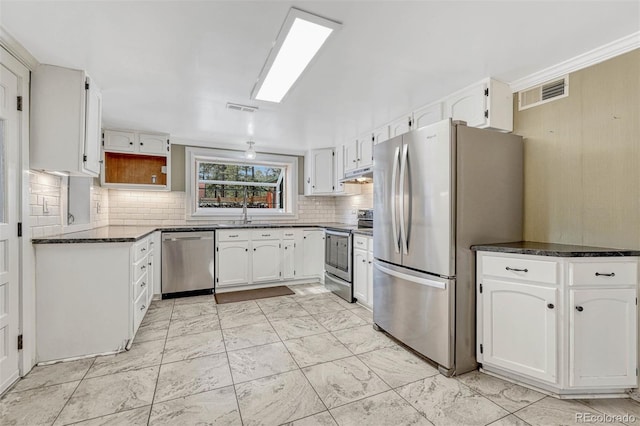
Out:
{"x": 338, "y": 264}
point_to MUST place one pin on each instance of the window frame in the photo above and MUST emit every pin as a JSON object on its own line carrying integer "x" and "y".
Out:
{"x": 194, "y": 156}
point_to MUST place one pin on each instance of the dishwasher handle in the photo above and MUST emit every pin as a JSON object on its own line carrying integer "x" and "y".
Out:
{"x": 187, "y": 236}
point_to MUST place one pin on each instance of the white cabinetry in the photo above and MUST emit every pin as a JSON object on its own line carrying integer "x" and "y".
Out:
{"x": 380, "y": 134}
{"x": 400, "y": 126}
{"x": 486, "y": 104}
{"x": 94, "y": 306}
{"x": 313, "y": 253}
{"x": 267, "y": 255}
{"x": 319, "y": 168}
{"x": 426, "y": 115}
{"x": 567, "y": 325}
{"x": 66, "y": 114}
{"x": 359, "y": 153}
{"x": 363, "y": 270}
{"x": 136, "y": 160}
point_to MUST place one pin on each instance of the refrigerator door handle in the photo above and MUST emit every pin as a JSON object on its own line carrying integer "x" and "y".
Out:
{"x": 394, "y": 184}
{"x": 403, "y": 172}
{"x": 411, "y": 278}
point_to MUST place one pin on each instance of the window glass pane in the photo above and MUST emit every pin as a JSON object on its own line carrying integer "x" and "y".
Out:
{"x": 233, "y": 196}
{"x": 239, "y": 173}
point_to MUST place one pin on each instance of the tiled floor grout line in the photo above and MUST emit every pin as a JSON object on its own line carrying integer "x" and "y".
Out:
{"x": 74, "y": 390}
{"x": 155, "y": 388}
{"x": 300, "y": 369}
{"x": 233, "y": 384}
{"x": 107, "y": 415}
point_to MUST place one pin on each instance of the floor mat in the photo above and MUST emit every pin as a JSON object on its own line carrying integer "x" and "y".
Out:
{"x": 260, "y": 293}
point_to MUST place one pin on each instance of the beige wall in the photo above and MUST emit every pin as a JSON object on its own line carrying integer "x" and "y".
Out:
{"x": 582, "y": 159}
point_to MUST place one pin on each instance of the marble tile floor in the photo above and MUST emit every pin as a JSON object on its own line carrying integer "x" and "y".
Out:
{"x": 305, "y": 359}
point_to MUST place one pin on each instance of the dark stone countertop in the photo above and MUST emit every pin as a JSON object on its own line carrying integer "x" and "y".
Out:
{"x": 554, "y": 250}
{"x": 363, "y": 231}
{"x": 123, "y": 234}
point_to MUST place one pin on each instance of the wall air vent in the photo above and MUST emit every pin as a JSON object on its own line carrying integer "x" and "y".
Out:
{"x": 241, "y": 108}
{"x": 543, "y": 93}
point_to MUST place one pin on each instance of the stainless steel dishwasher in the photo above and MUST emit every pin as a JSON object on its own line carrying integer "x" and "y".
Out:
{"x": 187, "y": 262}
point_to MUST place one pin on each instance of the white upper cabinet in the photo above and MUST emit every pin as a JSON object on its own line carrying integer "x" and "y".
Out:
{"x": 66, "y": 114}
{"x": 486, "y": 104}
{"x": 427, "y": 115}
{"x": 380, "y": 134}
{"x": 365, "y": 150}
{"x": 400, "y": 126}
{"x": 351, "y": 156}
{"x": 319, "y": 169}
{"x": 116, "y": 140}
{"x": 153, "y": 144}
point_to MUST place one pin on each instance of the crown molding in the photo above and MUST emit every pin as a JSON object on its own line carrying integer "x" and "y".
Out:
{"x": 587, "y": 59}
{"x": 9, "y": 43}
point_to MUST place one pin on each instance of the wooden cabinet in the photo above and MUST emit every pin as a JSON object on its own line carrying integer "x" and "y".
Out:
{"x": 232, "y": 267}
{"x": 94, "y": 307}
{"x": 136, "y": 160}
{"x": 313, "y": 253}
{"x": 486, "y": 104}
{"x": 566, "y": 325}
{"x": 66, "y": 114}
{"x": 319, "y": 170}
{"x": 363, "y": 270}
{"x": 265, "y": 261}
{"x": 427, "y": 115}
{"x": 519, "y": 328}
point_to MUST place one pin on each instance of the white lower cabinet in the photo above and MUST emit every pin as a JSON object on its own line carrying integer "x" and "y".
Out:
{"x": 566, "y": 325}
{"x": 266, "y": 261}
{"x": 363, "y": 270}
{"x": 520, "y": 328}
{"x": 232, "y": 267}
{"x": 95, "y": 306}
{"x": 602, "y": 337}
{"x": 268, "y": 255}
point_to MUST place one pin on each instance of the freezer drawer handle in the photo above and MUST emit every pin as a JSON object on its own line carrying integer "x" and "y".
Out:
{"x": 516, "y": 269}
{"x": 598, "y": 274}
{"x": 423, "y": 281}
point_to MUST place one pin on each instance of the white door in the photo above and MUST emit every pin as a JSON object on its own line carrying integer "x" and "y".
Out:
{"x": 115, "y": 140}
{"x": 469, "y": 105}
{"x": 9, "y": 202}
{"x": 399, "y": 126}
{"x": 322, "y": 174}
{"x": 235, "y": 256}
{"x": 313, "y": 253}
{"x": 360, "y": 271}
{"x": 519, "y": 325}
{"x": 602, "y": 346}
{"x": 93, "y": 126}
{"x": 427, "y": 115}
{"x": 381, "y": 134}
{"x": 351, "y": 156}
{"x": 288, "y": 259}
{"x": 153, "y": 144}
{"x": 365, "y": 150}
{"x": 266, "y": 260}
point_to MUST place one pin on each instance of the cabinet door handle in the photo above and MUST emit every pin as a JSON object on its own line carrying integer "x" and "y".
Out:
{"x": 143, "y": 284}
{"x": 551, "y": 306}
{"x": 579, "y": 308}
{"x": 143, "y": 267}
{"x": 142, "y": 307}
{"x": 612, "y": 274}
{"x": 254, "y": 249}
{"x": 143, "y": 249}
{"x": 516, "y": 269}
{"x": 130, "y": 143}
{"x": 363, "y": 261}
{"x": 246, "y": 249}
{"x": 370, "y": 262}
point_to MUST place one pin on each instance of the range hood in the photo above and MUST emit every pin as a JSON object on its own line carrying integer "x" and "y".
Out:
{"x": 362, "y": 175}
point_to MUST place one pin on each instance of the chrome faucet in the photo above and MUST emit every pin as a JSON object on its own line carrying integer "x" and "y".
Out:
{"x": 245, "y": 218}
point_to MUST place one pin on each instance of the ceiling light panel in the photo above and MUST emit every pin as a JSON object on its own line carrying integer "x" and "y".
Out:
{"x": 301, "y": 37}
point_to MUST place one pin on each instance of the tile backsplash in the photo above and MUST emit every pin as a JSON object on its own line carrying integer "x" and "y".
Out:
{"x": 154, "y": 208}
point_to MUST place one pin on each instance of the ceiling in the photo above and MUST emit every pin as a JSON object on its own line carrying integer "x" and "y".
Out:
{"x": 171, "y": 66}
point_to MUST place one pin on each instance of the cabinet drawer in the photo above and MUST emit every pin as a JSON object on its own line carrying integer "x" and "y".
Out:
{"x": 233, "y": 235}
{"x": 521, "y": 269}
{"x": 140, "y": 249}
{"x": 288, "y": 234}
{"x": 266, "y": 234}
{"x": 139, "y": 309}
{"x": 140, "y": 285}
{"x": 140, "y": 268}
{"x": 360, "y": 242}
{"x": 603, "y": 273}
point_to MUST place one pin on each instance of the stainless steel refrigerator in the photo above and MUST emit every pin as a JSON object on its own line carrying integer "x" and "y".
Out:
{"x": 437, "y": 191}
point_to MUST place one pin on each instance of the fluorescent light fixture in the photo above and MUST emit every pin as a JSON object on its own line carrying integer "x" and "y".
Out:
{"x": 300, "y": 38}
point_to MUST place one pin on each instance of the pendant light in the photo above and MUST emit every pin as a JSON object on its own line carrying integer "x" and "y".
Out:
{"x": 250, "y": 153}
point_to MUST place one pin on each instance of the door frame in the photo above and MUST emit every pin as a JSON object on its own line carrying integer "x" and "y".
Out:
{"x": 21, "y": 63}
